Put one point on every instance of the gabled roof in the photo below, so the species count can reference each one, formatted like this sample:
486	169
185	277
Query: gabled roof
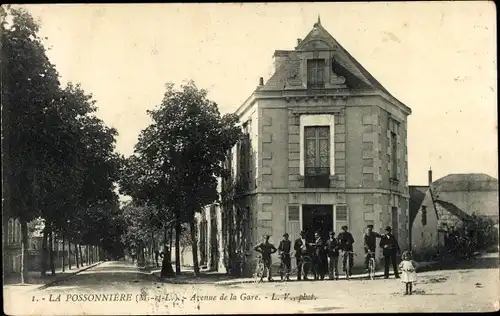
453	209
345	65
417	196
465	182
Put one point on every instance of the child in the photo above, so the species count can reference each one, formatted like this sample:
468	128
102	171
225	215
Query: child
408	273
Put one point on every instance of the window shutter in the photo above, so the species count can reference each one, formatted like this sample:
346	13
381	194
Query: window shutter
293	213
341	217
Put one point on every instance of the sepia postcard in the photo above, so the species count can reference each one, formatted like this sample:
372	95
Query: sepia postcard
249	158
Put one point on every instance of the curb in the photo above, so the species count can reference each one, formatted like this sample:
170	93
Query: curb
51	283
246	280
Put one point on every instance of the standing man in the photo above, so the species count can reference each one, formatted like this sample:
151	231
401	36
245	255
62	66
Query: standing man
370	244
333	256
284	252
345	241
390	248
300	247
318	257
266	249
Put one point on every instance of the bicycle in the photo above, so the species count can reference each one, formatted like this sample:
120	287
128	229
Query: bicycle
258	274
371	265
348	263
283	269
306	262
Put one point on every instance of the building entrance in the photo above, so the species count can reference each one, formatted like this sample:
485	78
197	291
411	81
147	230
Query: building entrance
317	218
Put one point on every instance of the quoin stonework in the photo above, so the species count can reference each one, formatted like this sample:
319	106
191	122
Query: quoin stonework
325	145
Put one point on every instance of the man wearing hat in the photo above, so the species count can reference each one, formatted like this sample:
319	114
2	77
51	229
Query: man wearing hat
266	249
390	248
319	257
345	241
284	252
370	243
332	251
301	250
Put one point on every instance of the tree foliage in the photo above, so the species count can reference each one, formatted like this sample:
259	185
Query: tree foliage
59	159
180	155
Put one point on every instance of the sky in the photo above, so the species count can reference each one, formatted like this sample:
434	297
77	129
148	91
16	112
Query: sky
438	58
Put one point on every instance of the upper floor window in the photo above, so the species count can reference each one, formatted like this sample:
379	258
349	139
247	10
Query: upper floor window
316	73
394	132
317	156
424	215
394	156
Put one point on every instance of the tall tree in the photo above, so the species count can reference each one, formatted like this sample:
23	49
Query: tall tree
189	141
30	90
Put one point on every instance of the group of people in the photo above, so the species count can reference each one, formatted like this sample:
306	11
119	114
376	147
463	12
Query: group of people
323	255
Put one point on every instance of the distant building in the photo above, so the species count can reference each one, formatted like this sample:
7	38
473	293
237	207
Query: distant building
325	145
11	244
449	203
424	235
471	193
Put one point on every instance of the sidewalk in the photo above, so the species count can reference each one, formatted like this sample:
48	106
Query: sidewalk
37	282
220	278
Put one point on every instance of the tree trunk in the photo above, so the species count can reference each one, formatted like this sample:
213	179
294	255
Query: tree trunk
69	254
194	247
178	228
81	254
63	253
171	240
51	253
43	270
87	259
77	257
152	251
24	251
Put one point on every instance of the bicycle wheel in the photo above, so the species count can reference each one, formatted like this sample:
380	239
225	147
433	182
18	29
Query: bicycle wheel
259	272
348	267
371	268
281	271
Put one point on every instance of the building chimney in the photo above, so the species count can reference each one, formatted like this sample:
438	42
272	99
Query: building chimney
261	81
299	40
279	58
430	176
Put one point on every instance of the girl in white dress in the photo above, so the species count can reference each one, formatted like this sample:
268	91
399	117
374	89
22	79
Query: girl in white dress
408	271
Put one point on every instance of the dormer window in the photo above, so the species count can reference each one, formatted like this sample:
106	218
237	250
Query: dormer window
316	73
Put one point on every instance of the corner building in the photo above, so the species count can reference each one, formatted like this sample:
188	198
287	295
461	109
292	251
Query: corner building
325	145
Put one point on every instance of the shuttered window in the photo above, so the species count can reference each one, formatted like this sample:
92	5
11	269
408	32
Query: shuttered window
293	213
341	217
342	213
424	215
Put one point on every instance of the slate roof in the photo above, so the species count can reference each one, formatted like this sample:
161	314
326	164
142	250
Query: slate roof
453	209
357	77
465	182
417	196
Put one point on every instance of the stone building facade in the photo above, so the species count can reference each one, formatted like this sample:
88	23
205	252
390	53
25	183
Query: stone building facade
324	145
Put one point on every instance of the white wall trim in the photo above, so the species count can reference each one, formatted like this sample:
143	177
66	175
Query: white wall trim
335	219
317	120
300	217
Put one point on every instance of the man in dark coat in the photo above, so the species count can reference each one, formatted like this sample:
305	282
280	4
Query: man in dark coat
266	249
345	241
333	256
318	257
370	243
284	252
390	248
301	250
